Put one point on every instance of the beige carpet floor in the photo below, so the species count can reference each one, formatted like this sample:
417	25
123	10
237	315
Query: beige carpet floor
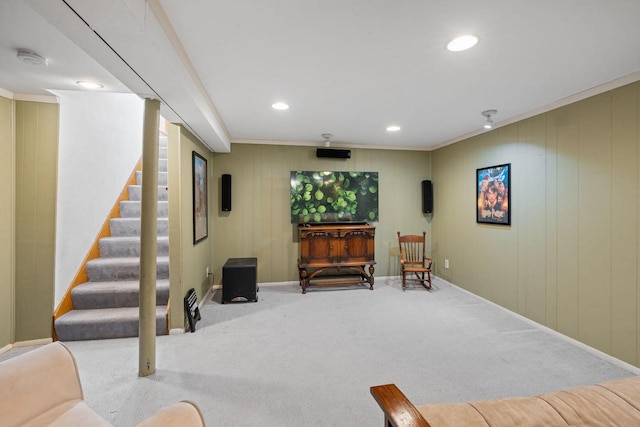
309	360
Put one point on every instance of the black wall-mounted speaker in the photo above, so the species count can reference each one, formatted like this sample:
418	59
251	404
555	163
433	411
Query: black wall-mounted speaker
226	193
333	153
427	197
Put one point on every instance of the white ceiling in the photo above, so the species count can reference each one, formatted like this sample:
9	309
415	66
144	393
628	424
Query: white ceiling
347	67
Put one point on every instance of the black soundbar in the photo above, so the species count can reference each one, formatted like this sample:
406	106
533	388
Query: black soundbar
333	153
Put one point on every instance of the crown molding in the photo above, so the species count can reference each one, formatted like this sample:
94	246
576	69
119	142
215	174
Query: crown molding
45	99
320	144
571	99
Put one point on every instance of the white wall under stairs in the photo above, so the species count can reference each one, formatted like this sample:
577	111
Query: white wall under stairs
100	144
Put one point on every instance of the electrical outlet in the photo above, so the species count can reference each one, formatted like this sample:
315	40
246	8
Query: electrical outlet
446	263
207	271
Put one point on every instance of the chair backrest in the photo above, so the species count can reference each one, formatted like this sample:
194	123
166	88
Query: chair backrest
412	248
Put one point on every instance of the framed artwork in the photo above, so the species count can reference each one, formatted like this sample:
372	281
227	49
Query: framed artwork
200	199
493	191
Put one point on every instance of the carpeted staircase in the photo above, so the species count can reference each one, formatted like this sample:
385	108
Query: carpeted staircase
107	305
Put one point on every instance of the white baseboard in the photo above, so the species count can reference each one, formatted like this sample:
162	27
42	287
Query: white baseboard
31	343
295	282
206	297
602	355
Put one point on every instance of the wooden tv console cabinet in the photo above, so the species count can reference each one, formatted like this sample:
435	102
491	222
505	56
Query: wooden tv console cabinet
336	254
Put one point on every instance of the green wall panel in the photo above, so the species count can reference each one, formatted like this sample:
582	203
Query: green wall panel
624	223
36	186
570	258
188	261
259	223
7	206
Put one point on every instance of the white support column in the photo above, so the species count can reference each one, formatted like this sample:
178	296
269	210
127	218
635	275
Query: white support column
149	239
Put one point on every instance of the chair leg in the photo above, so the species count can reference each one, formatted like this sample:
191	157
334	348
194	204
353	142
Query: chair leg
419	279
426	283
403	280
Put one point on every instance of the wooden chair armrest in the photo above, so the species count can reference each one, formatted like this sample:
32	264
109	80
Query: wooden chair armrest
429	261
398	410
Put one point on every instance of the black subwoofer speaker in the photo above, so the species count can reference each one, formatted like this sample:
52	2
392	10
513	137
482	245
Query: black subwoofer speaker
226	193
239	280
427	197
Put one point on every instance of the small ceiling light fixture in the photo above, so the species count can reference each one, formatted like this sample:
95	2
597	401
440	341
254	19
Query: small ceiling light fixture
462	43
280	106
327	137
30	57
488	124
89	85
393	128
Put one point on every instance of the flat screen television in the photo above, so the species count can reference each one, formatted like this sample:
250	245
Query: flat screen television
330	197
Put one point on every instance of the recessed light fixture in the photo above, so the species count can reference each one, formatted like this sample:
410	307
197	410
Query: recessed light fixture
462	43
30	57
280	106
393	128
89	85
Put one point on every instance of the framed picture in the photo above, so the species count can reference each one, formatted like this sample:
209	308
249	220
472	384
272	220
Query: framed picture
200	198
493	191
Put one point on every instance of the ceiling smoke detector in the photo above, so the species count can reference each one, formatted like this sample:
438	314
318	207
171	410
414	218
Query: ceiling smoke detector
30	57
327	137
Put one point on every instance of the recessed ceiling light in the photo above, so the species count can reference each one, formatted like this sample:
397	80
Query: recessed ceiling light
280	106
462	43
393	128
89	85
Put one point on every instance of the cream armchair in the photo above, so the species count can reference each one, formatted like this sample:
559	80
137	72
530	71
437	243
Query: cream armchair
42	388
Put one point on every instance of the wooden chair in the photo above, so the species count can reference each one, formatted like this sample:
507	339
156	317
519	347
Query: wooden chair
413	259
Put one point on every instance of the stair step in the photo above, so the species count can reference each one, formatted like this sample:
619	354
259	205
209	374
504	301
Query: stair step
131	227
135	192
163	178
107	306
122	268
93	295
128	246
105	323
131	209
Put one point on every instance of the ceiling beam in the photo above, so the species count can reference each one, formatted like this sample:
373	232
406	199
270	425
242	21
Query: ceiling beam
135	42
